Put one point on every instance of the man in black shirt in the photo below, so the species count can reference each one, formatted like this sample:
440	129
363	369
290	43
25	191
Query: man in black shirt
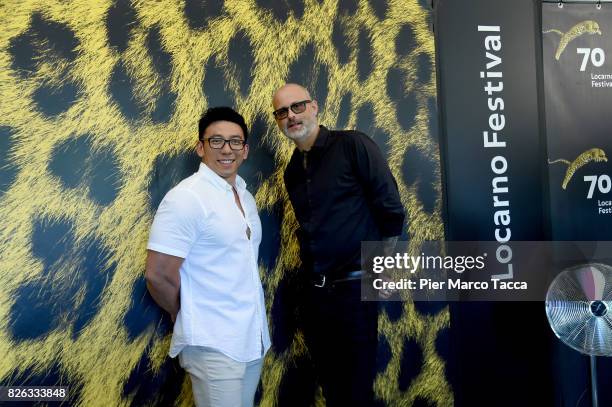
342	193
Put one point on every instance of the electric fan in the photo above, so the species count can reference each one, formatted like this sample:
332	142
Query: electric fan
579	311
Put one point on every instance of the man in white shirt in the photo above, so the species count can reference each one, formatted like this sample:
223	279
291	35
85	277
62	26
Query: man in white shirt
202	268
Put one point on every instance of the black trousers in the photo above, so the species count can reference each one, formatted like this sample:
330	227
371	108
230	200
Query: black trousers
340	331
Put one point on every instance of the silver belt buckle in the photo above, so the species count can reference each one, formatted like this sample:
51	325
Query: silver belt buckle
322	283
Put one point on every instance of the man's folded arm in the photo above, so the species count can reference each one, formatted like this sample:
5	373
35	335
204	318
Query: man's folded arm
164	280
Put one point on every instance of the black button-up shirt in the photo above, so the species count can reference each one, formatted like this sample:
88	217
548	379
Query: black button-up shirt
343	193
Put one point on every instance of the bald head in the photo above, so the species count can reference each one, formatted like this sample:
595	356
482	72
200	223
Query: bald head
292	89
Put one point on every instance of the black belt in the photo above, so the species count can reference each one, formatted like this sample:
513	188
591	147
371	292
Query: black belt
320	280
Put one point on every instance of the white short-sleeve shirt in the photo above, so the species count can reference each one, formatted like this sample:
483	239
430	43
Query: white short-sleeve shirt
222	301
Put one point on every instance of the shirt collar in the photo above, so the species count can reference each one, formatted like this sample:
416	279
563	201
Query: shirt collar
322	137
205	172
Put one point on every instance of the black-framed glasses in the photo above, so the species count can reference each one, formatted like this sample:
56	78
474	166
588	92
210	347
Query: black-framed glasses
297	107
218	143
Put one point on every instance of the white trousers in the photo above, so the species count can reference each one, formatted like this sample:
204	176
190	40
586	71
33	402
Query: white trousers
218	380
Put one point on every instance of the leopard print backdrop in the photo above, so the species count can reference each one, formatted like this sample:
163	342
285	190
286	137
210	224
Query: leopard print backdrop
98	120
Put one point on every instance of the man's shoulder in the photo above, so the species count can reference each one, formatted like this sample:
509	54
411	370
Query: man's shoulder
349	137
191	188
193	183
347	134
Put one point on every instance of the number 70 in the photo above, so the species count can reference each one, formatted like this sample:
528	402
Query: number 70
603	184
598	57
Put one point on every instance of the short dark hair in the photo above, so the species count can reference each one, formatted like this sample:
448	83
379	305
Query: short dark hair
221	113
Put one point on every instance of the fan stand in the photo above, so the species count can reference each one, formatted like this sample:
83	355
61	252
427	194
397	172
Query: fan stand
594	381
598	309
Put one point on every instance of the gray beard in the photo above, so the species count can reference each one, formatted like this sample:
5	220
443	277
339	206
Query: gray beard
298	135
